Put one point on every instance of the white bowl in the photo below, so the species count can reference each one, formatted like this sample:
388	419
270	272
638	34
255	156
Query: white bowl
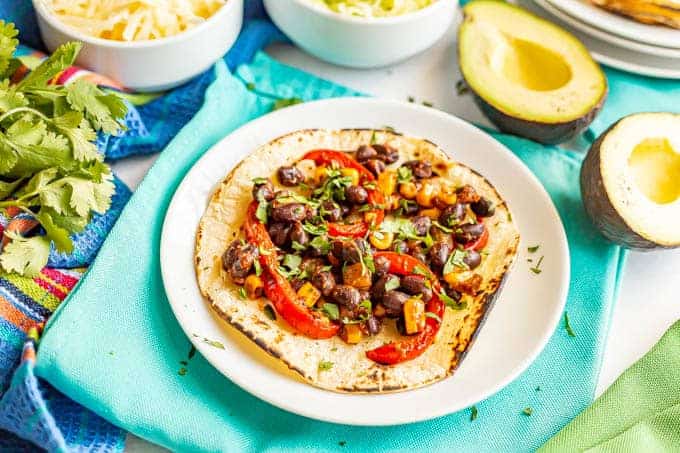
356	41
152	65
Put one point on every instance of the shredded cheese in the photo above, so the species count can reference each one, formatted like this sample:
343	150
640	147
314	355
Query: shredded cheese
374	8
132	20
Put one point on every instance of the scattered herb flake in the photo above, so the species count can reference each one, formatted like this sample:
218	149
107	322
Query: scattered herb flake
538	388
192	351
325	365
411	99
242	293
428	104
419	270
537	269
527	411
462	87
391	284
213	343
342	443
258	267
285	102
250	86
331	311
451	303
567	325
456	260
404	174
533	249
182	371
259	181
372	142
473	413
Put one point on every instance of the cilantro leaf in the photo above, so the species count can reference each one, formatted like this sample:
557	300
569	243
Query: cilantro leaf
325	365
567	325
452	303
456	260
8	44
61	58
286	102
57	234
26	256
331	311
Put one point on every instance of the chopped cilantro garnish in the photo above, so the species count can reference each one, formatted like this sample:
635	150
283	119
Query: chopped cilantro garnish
242	293
182	371
456	260
473	413
258	267
404	174
250	86
428	104
411	99
533	249
391	284
261	212
418	270
366	304
537	269
297	246
451	303
442	227
331	311
314	229
567	325
285	102
321	243
213	343
372	141
260	180
527	411
325	365
429	314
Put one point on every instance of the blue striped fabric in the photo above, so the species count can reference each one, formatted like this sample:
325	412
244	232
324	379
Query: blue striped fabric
31	411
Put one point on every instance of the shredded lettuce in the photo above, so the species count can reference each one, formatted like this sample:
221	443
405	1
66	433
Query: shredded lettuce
374	8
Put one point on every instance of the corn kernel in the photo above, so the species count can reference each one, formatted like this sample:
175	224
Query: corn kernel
351	333
387	182
432	213
408	190
254	286
447	194
309	294
320	174
370	217
414	315
381	240
353	174
425	195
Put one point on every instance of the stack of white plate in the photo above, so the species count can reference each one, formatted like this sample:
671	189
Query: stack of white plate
613	40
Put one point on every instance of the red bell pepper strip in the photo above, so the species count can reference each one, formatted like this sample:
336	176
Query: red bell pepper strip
411	347
375	197
278	289
479	243
326	156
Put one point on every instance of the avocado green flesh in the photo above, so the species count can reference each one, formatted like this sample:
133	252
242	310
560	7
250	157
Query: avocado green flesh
630	181
529	76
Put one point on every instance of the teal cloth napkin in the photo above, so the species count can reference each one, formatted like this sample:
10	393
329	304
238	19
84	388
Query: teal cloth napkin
115	347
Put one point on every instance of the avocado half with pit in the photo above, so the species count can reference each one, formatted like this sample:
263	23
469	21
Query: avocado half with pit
530	77
630	181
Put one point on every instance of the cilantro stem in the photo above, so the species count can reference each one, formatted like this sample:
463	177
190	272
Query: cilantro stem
11	112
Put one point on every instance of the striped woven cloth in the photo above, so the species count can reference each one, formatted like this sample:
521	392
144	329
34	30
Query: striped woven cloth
31	411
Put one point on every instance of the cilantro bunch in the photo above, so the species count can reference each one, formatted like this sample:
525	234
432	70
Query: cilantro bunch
49	165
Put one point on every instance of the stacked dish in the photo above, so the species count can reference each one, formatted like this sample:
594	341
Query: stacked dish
615	40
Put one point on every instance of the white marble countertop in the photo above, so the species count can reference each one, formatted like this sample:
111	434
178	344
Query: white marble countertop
649	300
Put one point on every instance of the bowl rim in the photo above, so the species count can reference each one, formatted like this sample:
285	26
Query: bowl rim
414	15
76	34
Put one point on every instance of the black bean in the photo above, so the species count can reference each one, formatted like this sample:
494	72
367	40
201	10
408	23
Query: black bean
311	212
239	259
452	293
345	295
483	208
298	234
375	166
409	207
324	282
472	258
421	224
378	289
331	211
289	213
386	153
373	325
290	176
469	232
319	249
263	191
297	283
352	251
365	152
439	254
393	302
382	265
356	195
452	215
419	254
344	209
420	168
413	284
279	233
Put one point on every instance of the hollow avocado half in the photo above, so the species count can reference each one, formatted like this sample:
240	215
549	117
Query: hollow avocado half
529	77
630	181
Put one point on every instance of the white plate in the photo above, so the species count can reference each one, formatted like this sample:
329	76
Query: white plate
616	57
517	329
597	17
597	33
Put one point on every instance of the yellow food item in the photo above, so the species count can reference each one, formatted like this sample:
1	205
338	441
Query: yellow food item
447	194
320	174
432	213
374	8
357	275
309	294
132	20
387	182
408	190
414	315
664	12
352	173
426	194
254	286
351	333
381	239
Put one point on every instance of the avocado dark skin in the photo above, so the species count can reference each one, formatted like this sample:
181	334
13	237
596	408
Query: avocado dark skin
600	208
546	133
